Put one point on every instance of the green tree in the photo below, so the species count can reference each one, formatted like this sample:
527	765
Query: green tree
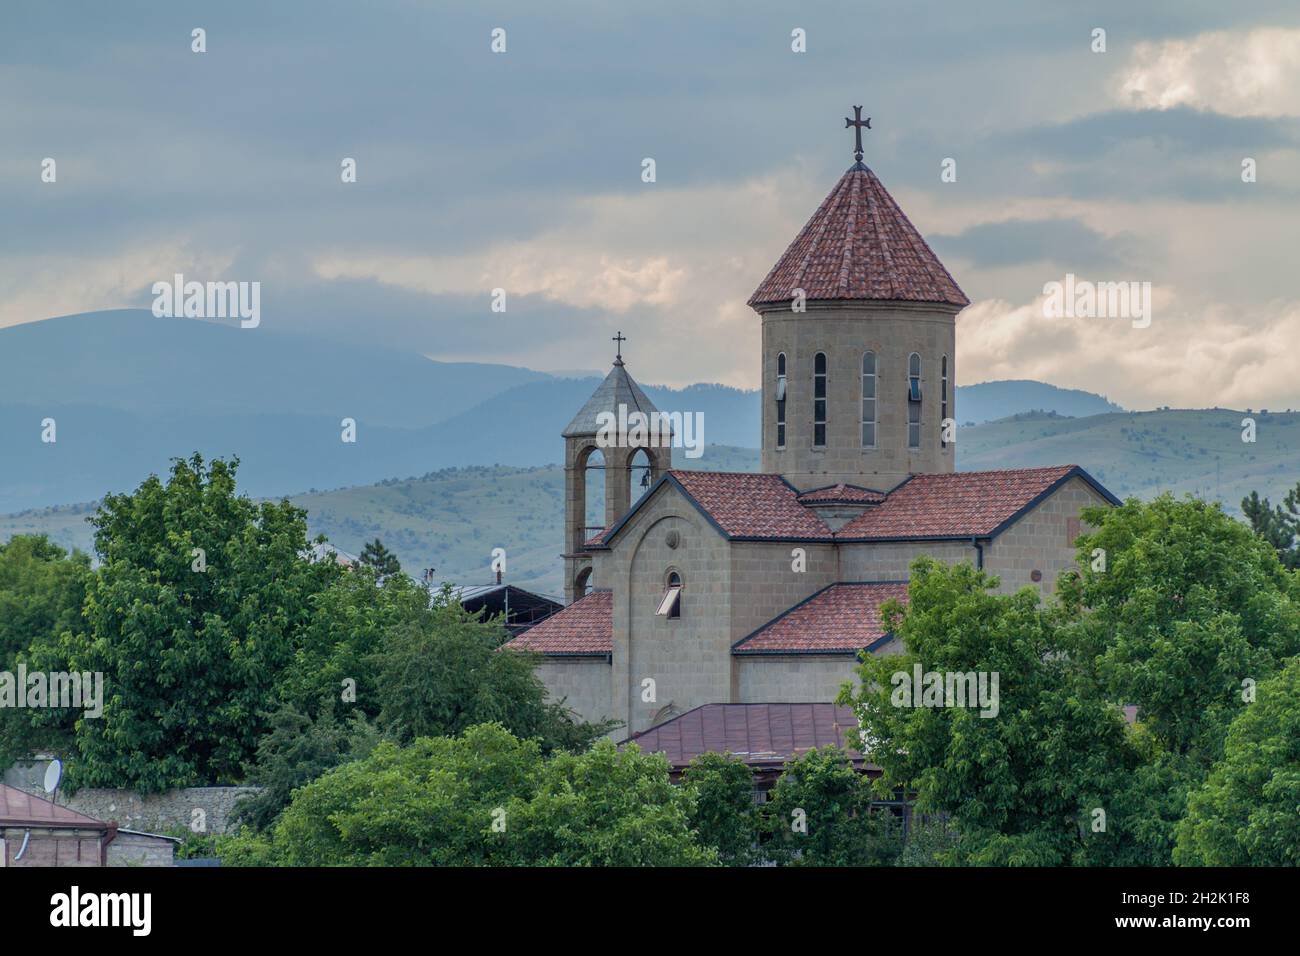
483	798
1278	525
194	613
1019	784
1248	811
42	590
294	752
606	807
1188	604
445	671
721	789
384	562
820	814
334	666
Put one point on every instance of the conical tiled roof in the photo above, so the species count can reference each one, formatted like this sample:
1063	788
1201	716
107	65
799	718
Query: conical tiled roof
617	389
860	245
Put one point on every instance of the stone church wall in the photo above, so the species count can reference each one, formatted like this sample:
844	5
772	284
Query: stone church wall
788	679
687	658
583	683
1040	541
891	561
764	584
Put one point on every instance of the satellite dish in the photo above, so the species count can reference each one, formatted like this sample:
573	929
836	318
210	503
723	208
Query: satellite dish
53	773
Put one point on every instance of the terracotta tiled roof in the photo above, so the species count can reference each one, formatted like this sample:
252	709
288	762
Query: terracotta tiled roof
20	809
848	494
748	505
759	734
842	618
584	628
596	538
961	504
859	245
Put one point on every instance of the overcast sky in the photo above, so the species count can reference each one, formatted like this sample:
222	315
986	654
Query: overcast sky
522	170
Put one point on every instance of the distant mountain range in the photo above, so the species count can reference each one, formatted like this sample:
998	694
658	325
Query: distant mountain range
452	519
129	391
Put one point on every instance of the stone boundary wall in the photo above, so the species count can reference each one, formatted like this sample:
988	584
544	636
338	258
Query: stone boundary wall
151	813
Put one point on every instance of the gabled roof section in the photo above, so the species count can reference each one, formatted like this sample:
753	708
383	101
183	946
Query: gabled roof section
618	388
748	505
583	629
859	245
963	504
842	494
839	619
21	809
759	734
745	506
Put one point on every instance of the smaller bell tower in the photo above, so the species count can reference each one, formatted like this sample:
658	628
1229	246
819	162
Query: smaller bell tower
590	444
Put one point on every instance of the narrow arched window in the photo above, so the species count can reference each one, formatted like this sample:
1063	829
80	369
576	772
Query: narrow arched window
869	400
819	400
780	400
670	605
914	401
943	401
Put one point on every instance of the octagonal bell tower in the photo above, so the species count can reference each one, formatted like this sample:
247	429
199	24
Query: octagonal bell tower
859	345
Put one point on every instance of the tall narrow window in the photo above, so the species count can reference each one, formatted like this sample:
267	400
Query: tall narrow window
670	605
819	400
869	400
943	401
780	400
914	401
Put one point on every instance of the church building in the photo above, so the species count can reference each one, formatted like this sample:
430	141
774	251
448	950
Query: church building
765	587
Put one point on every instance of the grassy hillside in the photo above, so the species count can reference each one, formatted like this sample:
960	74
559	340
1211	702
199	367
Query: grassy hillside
1144	453
452	519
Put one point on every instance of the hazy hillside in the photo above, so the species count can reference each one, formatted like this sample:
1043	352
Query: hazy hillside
452	519
129	392
127	359
989	401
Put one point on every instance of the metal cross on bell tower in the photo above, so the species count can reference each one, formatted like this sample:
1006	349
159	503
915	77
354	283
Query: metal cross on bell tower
618	340
859	125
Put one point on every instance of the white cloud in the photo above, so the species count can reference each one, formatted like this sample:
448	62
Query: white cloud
33	288
1192	356
1255	73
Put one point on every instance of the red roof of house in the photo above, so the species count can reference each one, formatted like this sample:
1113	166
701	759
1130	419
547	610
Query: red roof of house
859	245
749	505
756	733
960	504
841	618
583	629
21	809
847	494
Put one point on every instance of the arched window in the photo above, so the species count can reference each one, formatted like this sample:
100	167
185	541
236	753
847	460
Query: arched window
582	584
780	400
943	401
869	400
914	401
670	605
819	400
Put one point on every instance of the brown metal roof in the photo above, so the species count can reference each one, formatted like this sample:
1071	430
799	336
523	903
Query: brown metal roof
759	734
21	809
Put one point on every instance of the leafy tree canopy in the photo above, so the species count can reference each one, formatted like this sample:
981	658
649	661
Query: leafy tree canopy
1248	811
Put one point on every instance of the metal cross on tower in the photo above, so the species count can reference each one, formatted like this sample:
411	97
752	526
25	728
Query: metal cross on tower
860	124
